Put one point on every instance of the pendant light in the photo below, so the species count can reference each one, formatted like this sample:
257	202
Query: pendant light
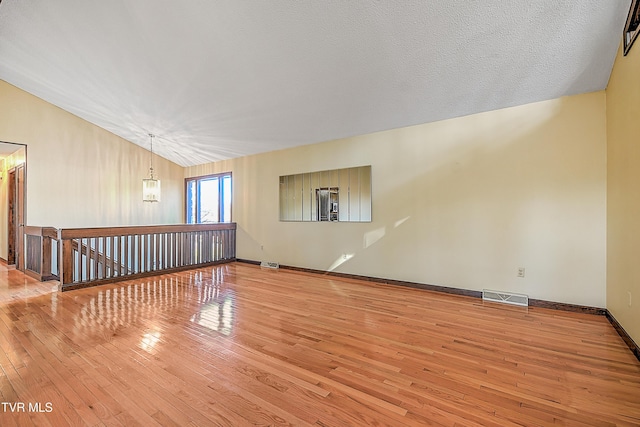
151	186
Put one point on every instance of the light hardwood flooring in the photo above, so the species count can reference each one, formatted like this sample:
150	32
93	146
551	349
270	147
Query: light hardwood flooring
238	345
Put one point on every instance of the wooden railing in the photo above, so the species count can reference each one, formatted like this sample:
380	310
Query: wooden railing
93	256
41	252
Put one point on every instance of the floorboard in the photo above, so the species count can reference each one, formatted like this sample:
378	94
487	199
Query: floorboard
235	345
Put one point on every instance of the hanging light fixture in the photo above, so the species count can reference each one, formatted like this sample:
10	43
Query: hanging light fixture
151	186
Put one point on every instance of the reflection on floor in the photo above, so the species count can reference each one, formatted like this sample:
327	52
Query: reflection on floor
238	345
129	303
14	285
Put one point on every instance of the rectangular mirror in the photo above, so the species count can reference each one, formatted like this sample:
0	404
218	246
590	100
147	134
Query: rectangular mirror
334	195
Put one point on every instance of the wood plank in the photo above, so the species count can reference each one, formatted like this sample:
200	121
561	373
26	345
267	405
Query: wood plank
238	345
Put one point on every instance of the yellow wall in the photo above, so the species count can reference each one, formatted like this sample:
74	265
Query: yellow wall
461	202
623	192
80	175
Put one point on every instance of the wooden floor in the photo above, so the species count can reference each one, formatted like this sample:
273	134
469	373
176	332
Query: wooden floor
236	345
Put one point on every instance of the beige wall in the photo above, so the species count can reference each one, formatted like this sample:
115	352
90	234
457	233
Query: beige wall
623	192
79	175
461	203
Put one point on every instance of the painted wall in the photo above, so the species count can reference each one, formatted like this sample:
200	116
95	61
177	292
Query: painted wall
80	175
461	203
623	193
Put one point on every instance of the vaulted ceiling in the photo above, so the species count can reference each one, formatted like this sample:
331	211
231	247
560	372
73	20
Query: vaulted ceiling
222	79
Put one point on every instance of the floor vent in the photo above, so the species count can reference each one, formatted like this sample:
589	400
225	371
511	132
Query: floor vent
505	297
268	264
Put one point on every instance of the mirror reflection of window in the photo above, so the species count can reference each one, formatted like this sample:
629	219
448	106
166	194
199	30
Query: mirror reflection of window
334	195
327	204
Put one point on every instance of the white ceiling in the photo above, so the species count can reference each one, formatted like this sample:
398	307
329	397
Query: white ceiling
222	79
7	149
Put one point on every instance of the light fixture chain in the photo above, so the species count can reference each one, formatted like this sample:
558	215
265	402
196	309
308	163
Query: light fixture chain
151	164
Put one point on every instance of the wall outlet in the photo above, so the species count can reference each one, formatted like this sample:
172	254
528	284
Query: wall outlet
520	271
262	247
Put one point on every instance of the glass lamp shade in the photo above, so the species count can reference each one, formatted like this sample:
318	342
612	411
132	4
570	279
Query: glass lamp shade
151	190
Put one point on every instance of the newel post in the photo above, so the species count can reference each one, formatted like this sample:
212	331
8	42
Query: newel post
66	259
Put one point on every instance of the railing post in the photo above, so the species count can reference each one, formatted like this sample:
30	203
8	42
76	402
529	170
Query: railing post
65	246
38	261
233	242
46	256
48	234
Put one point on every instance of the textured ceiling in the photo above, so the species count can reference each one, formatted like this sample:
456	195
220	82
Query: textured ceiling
222	79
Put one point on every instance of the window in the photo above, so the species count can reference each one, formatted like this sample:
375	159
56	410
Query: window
208	198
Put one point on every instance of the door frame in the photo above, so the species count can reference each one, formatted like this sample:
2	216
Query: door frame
16	209
11	218
15	217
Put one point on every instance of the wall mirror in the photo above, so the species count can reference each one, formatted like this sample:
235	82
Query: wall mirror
342	195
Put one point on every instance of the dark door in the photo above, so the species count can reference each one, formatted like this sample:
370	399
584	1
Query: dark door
15	253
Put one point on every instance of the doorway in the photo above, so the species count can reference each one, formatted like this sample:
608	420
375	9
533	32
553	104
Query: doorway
16	217
13	161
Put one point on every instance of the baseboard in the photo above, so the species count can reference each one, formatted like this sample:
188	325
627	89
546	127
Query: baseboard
567	307
3	261
635	349
248	261
475	294
456	291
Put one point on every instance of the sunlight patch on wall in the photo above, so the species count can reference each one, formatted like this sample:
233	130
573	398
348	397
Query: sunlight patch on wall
373	236
399	222
341	260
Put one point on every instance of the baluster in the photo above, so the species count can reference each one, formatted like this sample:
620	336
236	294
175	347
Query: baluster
87	260
111	243
140	244
158	261
125	258
104	255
